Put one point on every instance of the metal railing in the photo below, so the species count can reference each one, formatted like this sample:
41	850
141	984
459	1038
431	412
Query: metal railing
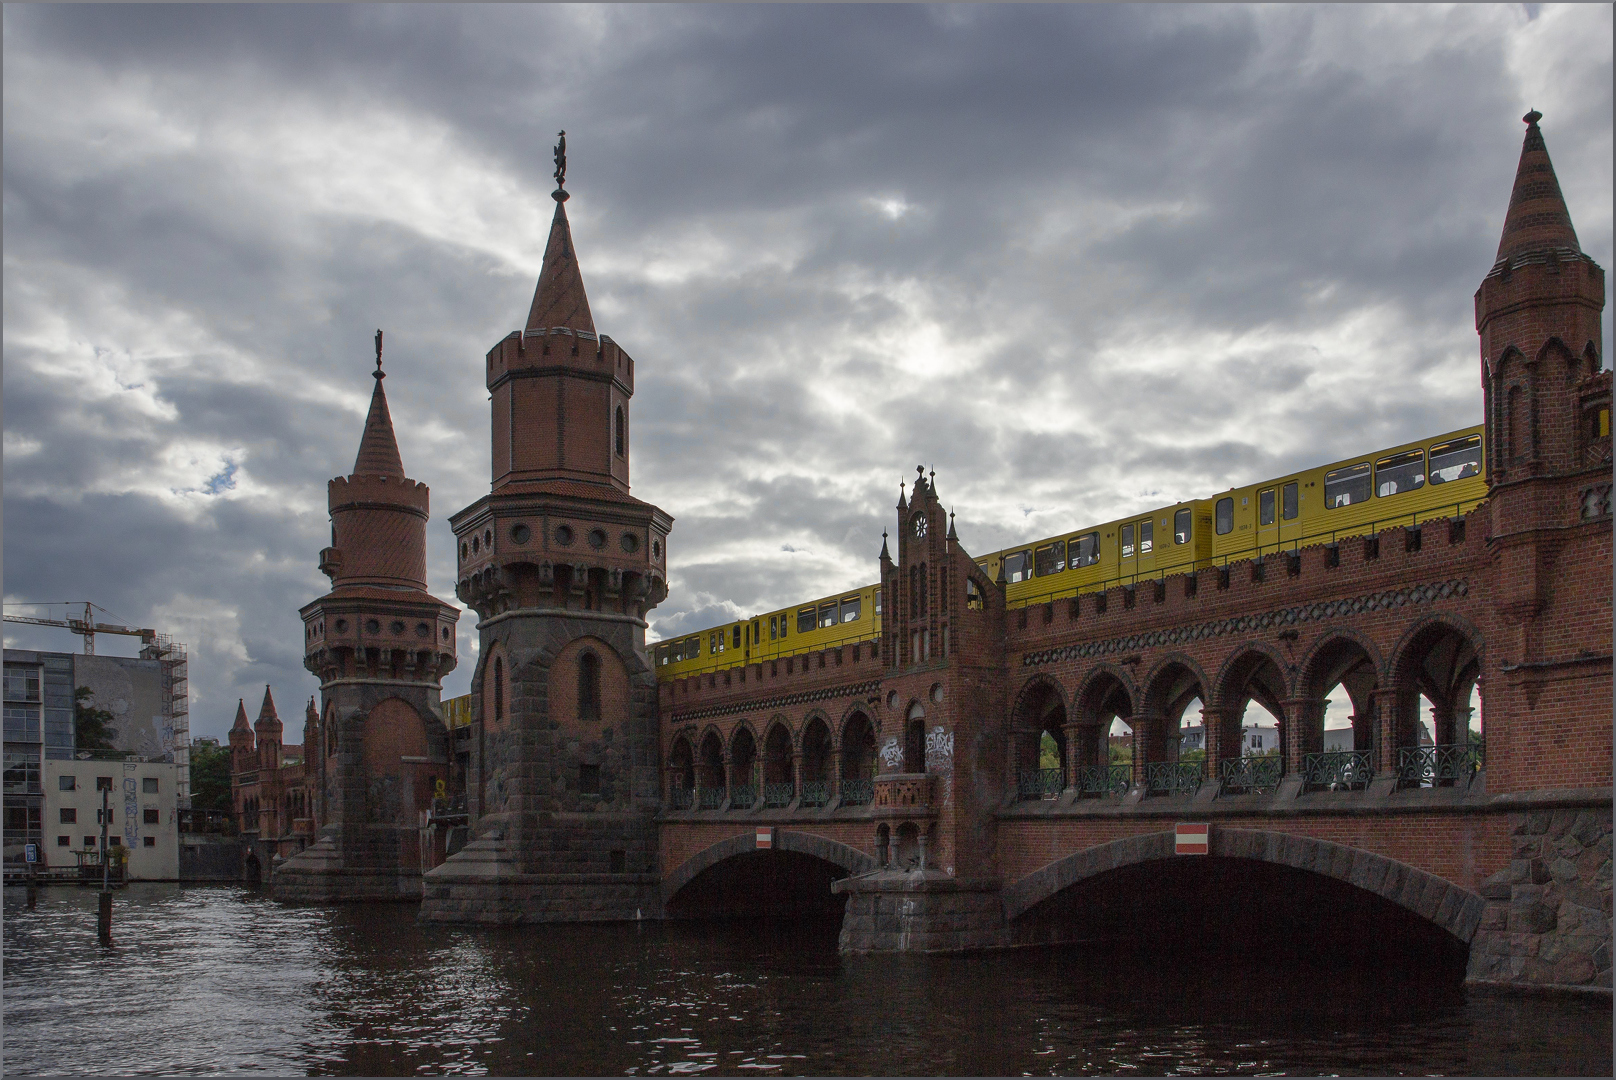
1250	775
680	798
451	806
1039	783
778	795
1329	536
1438	766
858	792
815	792
1172	777
1339	770
710	798
1102	781
742	797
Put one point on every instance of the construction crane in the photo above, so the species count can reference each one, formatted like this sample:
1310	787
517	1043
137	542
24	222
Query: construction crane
153	646
87	626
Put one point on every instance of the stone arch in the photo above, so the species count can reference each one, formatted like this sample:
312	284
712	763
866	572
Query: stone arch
1039	712
1172	684
712	768
565	695
857	763
1437	900
1254	671
832	728
871	713
682	766
1345	658
496	685
1106	691
744	756
818	759
779	761
1439	656
850	859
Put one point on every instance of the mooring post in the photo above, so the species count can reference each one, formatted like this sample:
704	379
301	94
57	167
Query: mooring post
104	917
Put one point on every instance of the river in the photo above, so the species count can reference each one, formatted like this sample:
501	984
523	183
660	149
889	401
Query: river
220	979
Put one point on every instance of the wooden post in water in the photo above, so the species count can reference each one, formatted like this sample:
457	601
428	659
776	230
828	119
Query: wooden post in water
104	918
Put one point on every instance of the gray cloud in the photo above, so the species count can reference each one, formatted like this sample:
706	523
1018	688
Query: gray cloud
1082	260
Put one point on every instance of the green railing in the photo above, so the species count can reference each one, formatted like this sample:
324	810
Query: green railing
1438	766
1184	566
710	798
815	792
1251	775
742	797
777	795
1172	777
1340	770
858	792
1102	781
1039	783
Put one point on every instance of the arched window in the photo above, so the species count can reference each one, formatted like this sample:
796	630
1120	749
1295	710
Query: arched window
620	438
589	687
499	689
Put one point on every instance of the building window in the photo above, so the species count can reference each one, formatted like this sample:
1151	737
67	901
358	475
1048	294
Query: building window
153	817
104	816
499	689
148	841
69	816
589	779
115	841
620	437
67	783
589	687
64	841
103	783
89	841
148	785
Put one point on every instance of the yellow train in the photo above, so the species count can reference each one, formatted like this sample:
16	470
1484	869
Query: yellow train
1427	479
838	619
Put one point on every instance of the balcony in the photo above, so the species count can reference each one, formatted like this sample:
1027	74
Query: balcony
902	791
1039	784
858	792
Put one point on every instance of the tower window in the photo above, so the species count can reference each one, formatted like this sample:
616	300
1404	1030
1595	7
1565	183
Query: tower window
620	440
499	689
589	687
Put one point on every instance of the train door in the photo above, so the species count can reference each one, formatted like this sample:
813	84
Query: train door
1290	512
1147	545
1268	519
1127	551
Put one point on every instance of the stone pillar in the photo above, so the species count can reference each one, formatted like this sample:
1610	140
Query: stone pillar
1387	725
1212	725
1303	729
1074	759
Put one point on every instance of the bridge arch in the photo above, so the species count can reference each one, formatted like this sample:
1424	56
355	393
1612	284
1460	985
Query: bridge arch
1438	901
1438	657
849	859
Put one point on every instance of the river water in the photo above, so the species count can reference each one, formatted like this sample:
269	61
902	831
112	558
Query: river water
219	979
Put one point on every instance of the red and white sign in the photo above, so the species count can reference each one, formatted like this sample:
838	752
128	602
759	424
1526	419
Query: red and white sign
1190	838
765	837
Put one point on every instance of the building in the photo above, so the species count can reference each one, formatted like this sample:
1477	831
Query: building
887	770
144	809
269	790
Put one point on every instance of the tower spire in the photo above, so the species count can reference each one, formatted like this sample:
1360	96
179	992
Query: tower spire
559	300
378	448
1538	221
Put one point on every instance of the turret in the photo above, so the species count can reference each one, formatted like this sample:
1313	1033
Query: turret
242	751
268	729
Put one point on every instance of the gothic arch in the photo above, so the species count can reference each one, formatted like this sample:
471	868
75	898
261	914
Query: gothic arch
1092	692
848	858
1242	663
1159	695
1030	691
1439	656
809	717
1309	670
1454	909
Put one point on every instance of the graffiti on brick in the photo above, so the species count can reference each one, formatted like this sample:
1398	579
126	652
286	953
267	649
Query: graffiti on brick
891	754
1329	609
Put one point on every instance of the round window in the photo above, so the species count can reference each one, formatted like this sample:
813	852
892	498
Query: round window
597	538
521	534
342	626
656	548
372	626
465	549
488	539
630	542
423	630
476	545
892	700
918	523
564	535
937	692
445	633
397	627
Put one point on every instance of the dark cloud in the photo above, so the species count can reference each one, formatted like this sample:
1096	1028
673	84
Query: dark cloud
1080	259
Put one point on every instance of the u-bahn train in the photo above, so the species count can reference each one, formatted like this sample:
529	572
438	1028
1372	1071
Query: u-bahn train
1437	477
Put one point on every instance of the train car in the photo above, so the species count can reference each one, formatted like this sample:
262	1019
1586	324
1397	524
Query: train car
1431	478
837	619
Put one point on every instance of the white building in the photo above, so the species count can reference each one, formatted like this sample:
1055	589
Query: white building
1254	739
143	804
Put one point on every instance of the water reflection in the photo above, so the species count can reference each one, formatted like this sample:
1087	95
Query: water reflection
218	979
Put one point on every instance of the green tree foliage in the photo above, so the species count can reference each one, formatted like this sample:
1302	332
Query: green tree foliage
210	777
92	727
1121	755
1048	752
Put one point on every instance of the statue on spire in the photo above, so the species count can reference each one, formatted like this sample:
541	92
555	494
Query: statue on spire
560	195
378	373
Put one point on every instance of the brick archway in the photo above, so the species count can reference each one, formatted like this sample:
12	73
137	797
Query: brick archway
848	858
1454	909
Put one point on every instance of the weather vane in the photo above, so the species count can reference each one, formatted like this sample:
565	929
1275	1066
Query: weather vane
559	194
379	373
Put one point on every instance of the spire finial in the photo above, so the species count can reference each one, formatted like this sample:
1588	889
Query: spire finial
560	194
379	373
1532	118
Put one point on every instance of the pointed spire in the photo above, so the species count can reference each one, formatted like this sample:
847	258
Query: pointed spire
559	300
378	449
1537	220
903	503
886	556
952	535
267	710
241	717
310	714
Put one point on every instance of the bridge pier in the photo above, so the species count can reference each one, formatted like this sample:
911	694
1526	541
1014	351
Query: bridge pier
920	911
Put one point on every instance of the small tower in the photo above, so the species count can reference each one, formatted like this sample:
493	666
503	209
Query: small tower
380	645
243	755
1548	461
561	564
268	731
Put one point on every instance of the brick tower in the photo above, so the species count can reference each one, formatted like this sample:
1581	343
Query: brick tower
1548	454
380	644
561	564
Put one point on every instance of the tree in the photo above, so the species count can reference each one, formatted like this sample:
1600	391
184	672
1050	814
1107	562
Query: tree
92	727
210	776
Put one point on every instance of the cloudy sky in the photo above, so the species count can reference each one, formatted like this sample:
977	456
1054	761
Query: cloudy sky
1081	260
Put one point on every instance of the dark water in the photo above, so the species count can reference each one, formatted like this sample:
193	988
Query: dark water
206	980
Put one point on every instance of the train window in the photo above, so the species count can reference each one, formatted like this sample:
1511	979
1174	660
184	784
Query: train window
1456	459
878	601
1181	526
1344	487
973	595
1049	559
1400	472
783	622
1265	507
735	636
1127	541
827	614
1223	517
1288	497
692	647
1017	567
1147	533
1085	550
662	654
805	620
851	608
774	627
715	643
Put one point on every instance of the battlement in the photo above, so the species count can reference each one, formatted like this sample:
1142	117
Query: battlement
820	669
563	347
378	492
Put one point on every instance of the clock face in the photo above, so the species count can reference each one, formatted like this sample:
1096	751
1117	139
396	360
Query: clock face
918	522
